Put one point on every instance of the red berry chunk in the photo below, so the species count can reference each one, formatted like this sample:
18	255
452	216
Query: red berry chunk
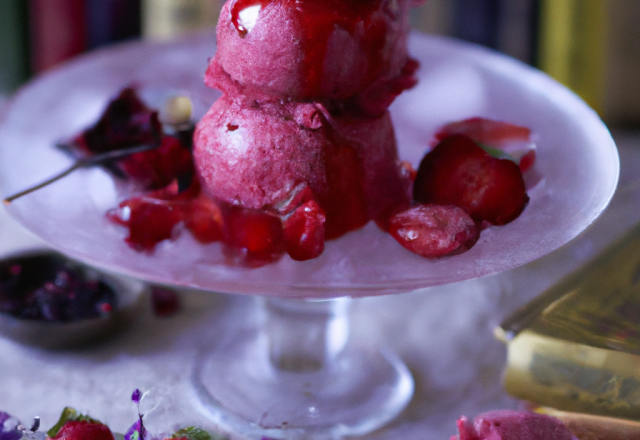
204	219
304	232
150	220
257	232
83	430
434	231
458	172
153	218
485	131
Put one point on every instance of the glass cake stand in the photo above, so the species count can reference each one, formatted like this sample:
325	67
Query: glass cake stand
300	374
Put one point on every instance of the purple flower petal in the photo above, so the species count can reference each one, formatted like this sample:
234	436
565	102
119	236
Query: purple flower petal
137	431
8	427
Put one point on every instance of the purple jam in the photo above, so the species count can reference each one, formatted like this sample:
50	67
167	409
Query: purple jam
49	287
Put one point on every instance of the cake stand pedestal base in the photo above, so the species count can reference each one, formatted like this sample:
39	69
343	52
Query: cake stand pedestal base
300	376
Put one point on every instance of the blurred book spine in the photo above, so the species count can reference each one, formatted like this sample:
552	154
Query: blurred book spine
593	47
572	46
166	19
510	26
58	31
518	29
109	21
477	21
14	45
577	346
621	104
433	17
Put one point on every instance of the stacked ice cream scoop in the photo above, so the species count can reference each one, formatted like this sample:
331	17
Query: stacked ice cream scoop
306	86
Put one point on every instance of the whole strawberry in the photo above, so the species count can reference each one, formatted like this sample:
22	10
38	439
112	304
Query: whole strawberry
84	430
459	172
75	426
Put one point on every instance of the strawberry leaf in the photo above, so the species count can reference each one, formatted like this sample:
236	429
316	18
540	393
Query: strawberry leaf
496	152
193	433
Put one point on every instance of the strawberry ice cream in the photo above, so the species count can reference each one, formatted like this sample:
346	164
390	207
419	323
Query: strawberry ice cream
256	156
306	85
311	50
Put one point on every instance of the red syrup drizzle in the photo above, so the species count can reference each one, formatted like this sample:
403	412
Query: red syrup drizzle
345	203
318	20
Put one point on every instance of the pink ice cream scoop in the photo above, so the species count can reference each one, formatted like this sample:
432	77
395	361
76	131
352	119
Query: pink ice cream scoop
257	154
306	86
314	50
512	425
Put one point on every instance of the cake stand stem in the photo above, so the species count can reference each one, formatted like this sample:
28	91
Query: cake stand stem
306	336
301	376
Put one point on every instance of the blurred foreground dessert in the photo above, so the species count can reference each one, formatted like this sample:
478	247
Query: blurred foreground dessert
554	425
577	346
512	425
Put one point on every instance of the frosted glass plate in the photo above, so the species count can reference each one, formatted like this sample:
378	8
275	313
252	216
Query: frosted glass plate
574	178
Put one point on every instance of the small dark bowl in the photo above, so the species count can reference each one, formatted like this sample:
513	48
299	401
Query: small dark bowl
52	334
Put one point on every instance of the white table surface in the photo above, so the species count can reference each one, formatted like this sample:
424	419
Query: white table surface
444	334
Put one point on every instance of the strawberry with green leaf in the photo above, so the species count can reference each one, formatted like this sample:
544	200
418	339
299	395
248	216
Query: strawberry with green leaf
75	426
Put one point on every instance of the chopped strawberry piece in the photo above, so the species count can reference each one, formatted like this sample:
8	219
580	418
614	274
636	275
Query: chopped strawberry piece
304	232
485	131
83	430
153	217
150	221
257	232
434	231
203	218
458	172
